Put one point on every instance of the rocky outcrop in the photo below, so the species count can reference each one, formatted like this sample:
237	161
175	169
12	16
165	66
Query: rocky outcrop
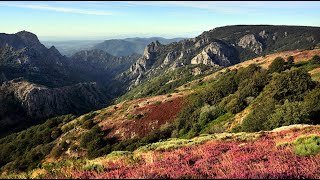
196	71
148	58
8	55
201	42
310	39
263	34
171	56
249	41
42	102
215	54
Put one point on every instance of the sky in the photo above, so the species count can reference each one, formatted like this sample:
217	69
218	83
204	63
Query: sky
96	20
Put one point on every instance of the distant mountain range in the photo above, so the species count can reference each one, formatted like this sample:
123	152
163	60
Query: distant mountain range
128	46
68	48
115	47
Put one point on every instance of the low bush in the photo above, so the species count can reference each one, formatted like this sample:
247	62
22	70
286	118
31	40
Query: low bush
94	167
306	146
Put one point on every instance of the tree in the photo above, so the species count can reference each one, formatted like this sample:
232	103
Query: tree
287	114
312	100
291	85
278	65
255	120
315	59
290	61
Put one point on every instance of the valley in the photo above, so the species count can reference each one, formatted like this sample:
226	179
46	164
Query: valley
204	107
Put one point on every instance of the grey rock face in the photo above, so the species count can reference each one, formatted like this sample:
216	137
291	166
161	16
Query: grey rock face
249	41
43	102
196	71
201	42
214	54
171	56
146	61
263	34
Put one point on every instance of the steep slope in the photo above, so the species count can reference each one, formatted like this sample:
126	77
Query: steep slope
70	85
129	46
22	54
223	46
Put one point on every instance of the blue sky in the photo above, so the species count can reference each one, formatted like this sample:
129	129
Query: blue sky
93	20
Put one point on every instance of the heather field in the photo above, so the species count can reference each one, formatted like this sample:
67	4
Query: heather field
287	152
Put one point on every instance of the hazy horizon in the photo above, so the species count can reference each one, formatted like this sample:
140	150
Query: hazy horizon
96	20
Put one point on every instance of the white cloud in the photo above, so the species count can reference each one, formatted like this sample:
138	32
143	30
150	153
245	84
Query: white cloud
231	6
59	9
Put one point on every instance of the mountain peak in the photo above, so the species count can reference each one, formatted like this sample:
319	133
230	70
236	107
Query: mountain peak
28	37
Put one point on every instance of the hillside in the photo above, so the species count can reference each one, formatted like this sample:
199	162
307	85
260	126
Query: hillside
93	60
219	106
223	46
37	83
223	155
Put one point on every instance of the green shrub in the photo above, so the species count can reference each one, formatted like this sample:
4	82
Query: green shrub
217	125
157	103
27	148
277	65
88	124
139	116
312	100
306	146
94	167
57	151
290	61
287	114
315	59
255	120
93	140
291	85
130	116
56	132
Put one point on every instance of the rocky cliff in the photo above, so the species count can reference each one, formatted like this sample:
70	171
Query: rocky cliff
250	41
42	102
222	46
216	54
